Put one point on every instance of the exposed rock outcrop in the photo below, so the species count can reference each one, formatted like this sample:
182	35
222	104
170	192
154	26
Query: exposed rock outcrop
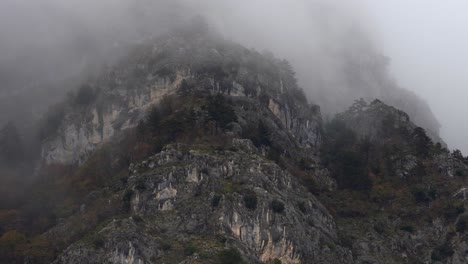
178	63
206	196
239	168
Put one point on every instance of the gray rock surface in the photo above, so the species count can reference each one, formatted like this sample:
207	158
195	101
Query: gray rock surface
270	200
175	193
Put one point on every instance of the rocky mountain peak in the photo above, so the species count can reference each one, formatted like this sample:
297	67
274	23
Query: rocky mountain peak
175	64
194	149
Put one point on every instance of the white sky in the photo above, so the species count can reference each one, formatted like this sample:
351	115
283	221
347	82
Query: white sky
427	41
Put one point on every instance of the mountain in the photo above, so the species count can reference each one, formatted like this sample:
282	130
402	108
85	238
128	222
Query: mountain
194	149
353	67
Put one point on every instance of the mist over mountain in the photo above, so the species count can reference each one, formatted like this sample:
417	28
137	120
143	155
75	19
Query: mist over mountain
217	132
51	46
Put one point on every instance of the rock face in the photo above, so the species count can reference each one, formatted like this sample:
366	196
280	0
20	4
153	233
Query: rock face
238	168
185	194
208	196
85	127
178	63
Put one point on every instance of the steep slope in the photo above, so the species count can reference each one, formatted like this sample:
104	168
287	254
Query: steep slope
191	149
191	58
194	149
395	200
188	206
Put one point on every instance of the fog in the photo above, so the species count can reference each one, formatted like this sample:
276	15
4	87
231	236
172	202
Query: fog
341	50
428	43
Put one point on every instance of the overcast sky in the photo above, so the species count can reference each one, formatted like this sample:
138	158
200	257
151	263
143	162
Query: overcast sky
427	41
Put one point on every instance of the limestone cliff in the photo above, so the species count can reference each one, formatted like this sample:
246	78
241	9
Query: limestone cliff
194	149
169	65
207	197
233	196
